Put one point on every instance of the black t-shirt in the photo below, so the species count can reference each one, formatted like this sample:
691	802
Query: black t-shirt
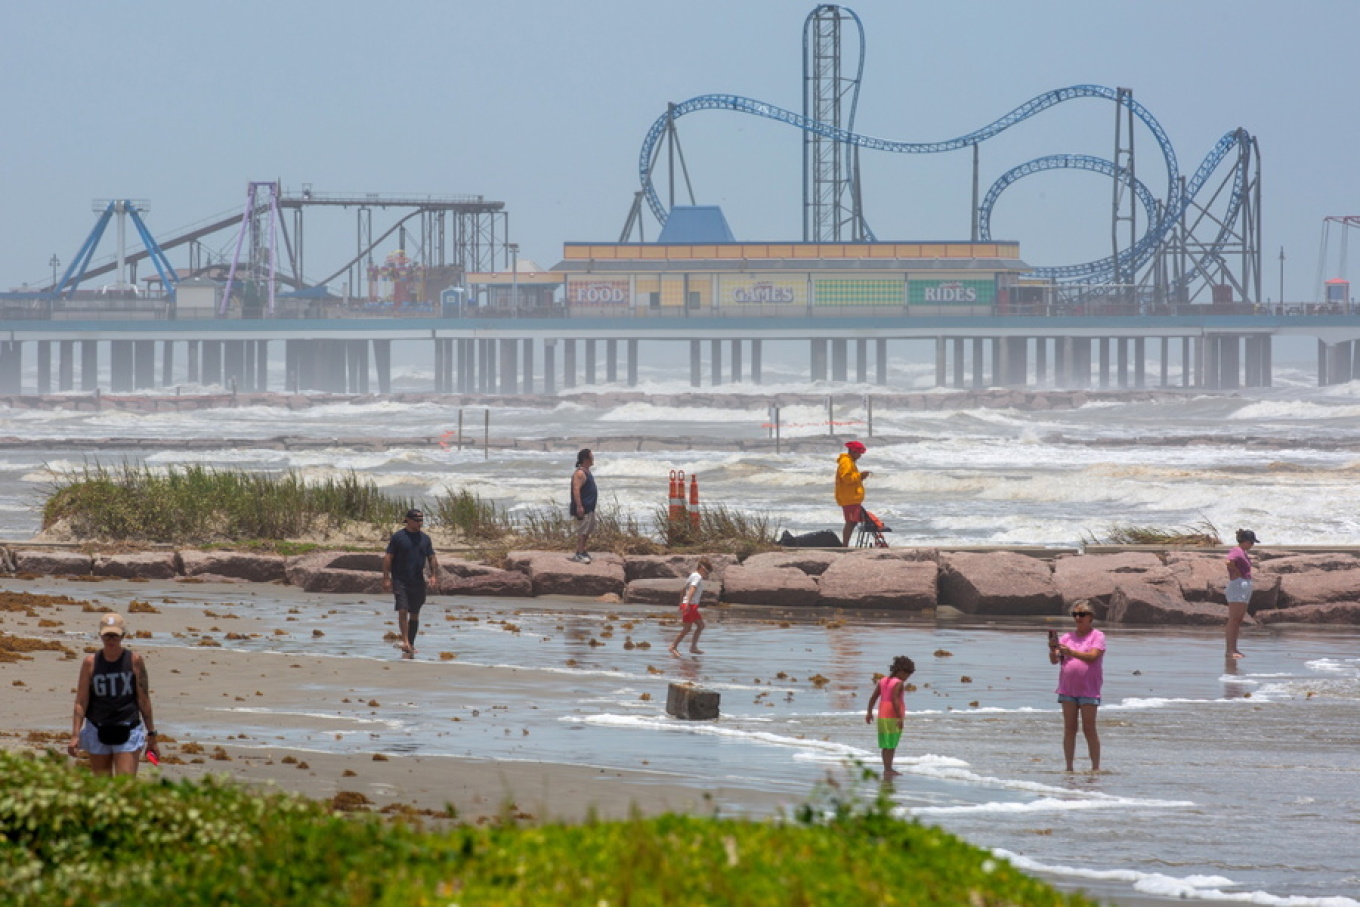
409	550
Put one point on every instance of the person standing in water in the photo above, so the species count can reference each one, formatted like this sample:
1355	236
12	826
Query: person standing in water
890	697
1081	653
690	600
850	488
112	720
409	553
1239	589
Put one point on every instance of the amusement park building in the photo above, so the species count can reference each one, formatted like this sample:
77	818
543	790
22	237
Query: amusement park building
791	278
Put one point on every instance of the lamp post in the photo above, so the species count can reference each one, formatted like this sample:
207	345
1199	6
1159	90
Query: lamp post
55	262
1282	280
514	278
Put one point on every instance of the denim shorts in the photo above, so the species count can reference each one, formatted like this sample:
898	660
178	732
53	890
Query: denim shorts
1079	700
89	741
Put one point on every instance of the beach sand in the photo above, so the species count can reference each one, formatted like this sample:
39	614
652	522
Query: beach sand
199	687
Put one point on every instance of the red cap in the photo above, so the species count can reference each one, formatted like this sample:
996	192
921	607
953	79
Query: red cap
855	447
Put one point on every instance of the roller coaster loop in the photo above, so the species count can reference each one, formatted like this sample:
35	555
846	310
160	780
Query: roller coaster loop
1163	215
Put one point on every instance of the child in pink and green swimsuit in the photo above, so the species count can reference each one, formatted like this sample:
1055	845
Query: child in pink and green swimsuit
892	709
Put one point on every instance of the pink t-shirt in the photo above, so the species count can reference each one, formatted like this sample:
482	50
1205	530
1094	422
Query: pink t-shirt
1077	677
1239	559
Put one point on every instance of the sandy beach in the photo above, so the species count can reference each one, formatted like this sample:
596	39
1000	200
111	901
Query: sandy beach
191	684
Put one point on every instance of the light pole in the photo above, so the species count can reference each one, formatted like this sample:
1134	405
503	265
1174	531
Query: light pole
1282	309
55	262
514	278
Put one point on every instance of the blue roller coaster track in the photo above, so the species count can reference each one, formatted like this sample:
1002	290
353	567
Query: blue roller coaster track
1163	215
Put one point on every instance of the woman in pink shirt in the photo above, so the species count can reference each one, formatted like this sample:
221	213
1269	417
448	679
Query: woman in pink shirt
1081	654
1238	592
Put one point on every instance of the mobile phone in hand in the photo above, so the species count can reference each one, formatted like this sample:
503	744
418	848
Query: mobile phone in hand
1053	638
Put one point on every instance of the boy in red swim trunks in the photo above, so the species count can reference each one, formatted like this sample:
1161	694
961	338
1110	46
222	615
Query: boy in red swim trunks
689	607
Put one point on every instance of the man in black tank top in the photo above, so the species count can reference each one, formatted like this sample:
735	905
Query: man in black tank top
112	720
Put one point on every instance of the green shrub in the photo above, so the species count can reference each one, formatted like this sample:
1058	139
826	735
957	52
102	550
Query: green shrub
69	837
197	504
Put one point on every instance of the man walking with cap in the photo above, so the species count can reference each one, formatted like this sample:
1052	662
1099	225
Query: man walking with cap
404	567
850	488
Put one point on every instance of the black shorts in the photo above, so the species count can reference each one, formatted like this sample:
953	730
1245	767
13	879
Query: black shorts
409	598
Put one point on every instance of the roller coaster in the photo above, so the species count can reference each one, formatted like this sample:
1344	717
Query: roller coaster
1201	235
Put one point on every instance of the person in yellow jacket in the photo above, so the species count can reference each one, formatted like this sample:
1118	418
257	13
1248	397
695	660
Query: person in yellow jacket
850	488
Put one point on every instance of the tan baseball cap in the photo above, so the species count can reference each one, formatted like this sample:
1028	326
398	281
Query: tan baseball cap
112	623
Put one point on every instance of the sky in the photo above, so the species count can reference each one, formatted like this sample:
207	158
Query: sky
543	104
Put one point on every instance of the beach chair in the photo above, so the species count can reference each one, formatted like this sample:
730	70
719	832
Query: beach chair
869	532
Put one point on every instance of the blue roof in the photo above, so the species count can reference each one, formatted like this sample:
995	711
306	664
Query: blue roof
696	224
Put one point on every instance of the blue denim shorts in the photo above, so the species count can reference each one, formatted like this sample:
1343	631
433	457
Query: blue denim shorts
1079	700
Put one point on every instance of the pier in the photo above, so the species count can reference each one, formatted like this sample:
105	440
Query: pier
547	354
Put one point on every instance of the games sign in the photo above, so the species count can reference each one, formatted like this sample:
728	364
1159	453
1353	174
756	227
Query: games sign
761	291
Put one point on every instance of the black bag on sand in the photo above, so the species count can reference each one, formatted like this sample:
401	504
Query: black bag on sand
822	538
114	734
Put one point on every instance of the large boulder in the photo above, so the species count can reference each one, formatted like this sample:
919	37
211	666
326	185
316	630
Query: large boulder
1137	602
1093	577
1302	589
142	565
999	582
867	581
45	562
489	582
347	572
1322	562
555	573
780	586
667	566
239	565
1201	576
1347	612
813	563
667	591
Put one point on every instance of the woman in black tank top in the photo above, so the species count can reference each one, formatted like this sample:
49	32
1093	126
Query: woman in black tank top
112	717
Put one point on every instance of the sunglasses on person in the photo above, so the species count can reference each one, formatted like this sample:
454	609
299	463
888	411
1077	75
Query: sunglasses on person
1082	614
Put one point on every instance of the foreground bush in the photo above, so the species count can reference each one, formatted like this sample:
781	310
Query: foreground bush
67	837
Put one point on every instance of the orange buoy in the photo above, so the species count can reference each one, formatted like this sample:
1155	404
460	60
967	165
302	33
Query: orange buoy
694	503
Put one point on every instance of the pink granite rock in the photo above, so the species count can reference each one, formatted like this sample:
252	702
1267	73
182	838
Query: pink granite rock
868	580
813	563
1093	577
1302	589
142	565
666	592
1000	582
241	565
555	573
45	562
1137	602
781	586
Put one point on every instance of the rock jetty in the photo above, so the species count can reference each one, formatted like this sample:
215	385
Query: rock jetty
1142	586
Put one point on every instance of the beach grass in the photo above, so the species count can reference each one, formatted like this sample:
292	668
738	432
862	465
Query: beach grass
284	512
67	836
1203	534
199	505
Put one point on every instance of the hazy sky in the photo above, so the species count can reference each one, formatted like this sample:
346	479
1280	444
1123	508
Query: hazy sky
543	104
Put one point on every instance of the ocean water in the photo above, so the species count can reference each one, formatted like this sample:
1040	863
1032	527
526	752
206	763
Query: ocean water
1283	460
1222	783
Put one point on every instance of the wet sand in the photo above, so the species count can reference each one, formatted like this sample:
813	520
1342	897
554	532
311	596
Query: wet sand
201	687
